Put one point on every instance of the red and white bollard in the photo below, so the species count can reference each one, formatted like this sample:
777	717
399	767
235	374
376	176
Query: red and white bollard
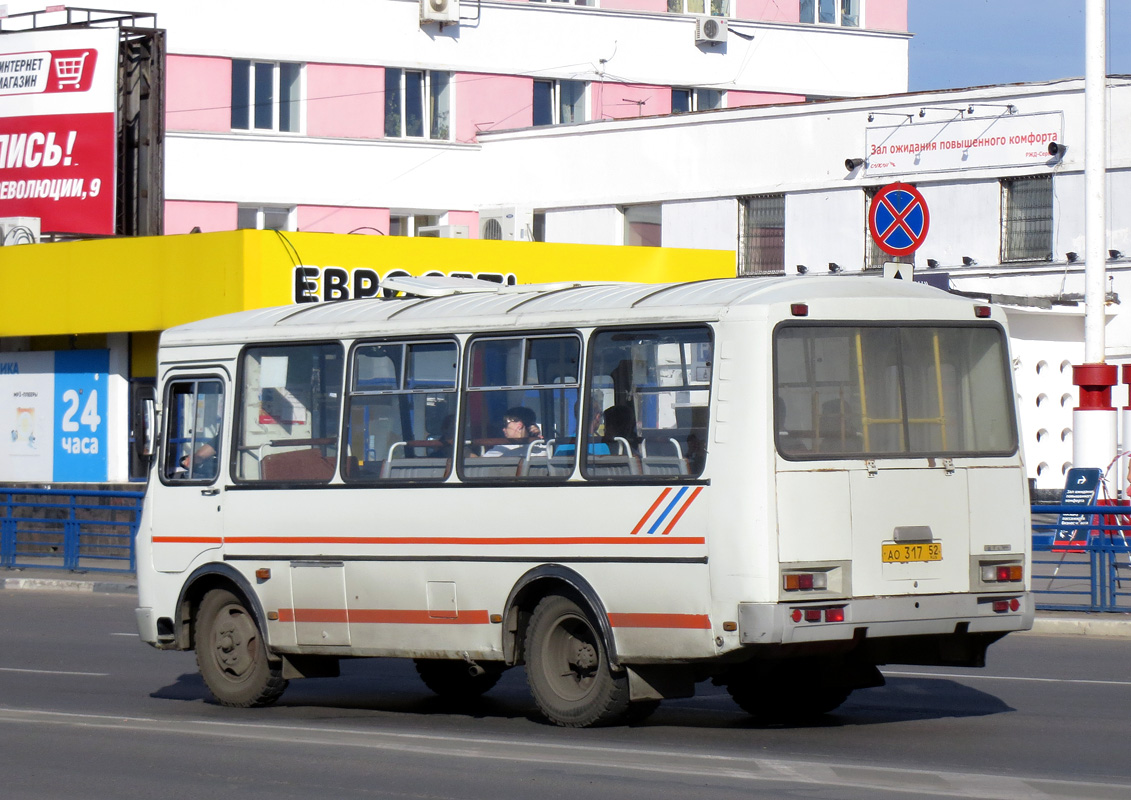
1094	419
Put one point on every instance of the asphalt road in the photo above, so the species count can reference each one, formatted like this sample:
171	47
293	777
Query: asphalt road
87	711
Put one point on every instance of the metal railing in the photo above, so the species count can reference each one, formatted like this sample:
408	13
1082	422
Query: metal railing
1092	573
73	529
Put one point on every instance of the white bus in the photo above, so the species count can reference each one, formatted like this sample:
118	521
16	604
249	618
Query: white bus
774	483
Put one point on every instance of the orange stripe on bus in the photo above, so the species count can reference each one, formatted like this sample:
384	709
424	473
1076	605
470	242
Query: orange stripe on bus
690	621
393	616
683	508
187	540
648	513
542	540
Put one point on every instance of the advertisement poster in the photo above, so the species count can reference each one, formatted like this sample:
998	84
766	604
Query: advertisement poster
57	128
53	416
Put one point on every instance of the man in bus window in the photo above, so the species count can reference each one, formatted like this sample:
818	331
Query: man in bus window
519	428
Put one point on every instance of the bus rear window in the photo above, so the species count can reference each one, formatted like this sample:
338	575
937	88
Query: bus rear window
883	390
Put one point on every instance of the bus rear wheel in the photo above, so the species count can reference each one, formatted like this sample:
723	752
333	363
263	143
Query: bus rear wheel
458	680
567	667
231	653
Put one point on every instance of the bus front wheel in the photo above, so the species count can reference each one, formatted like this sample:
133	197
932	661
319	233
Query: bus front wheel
232	655
567	667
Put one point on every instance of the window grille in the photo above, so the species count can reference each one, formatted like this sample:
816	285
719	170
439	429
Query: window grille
1026	218
761	246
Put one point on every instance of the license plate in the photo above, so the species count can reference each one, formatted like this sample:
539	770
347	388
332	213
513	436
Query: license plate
917	551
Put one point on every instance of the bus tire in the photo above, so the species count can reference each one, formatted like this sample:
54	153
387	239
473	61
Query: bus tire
231	653
454	680
567	667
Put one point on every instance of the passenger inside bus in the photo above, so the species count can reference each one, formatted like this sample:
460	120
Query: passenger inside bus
520	429
620	424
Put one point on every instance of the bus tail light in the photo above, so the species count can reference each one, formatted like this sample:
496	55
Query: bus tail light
1002	573
805	581
1002	606
982	312
818	614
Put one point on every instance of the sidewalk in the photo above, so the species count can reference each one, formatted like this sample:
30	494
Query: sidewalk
1047	623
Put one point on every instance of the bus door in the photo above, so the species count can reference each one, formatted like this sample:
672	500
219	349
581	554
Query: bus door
188	520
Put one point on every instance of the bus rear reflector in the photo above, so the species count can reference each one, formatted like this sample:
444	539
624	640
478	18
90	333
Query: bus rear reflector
834	614
982	312
799	309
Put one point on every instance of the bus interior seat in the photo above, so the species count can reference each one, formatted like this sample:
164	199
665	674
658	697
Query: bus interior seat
670	463
307	464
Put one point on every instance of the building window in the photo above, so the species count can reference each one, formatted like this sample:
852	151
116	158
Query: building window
559	102
265	218
846	13
642	226
874	258
761	245
684	100
410	224
266	95
418	104
716	8
1026	218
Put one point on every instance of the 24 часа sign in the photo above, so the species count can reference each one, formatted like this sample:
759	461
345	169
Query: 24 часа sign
53	416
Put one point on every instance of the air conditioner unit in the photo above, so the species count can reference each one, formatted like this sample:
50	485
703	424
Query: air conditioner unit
443	231
508	224
711	30
439	11
19	230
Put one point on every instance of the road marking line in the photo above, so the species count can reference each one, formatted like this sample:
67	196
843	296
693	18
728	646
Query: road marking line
722	768
977	677
56	672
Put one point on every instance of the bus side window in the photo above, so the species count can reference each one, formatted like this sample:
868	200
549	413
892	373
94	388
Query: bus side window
290	404
401	412
652	387
521	408
194	416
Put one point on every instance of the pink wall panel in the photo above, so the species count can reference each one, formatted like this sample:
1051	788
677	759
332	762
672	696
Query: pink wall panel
656	6
736	99
628	100
767	10
198	93
345	101
492	102
468	218
337	219
181	216
886	15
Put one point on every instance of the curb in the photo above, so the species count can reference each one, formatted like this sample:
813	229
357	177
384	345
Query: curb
1116	628
62	585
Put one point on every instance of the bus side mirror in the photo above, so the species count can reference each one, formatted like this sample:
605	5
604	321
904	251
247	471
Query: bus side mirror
146	441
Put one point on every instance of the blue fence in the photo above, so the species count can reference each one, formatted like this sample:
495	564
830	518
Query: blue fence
1093	574
89	530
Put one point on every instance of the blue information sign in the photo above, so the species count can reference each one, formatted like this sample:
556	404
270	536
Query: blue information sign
81	378
1080	489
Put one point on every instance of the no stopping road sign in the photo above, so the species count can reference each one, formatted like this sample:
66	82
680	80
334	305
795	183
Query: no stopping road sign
898	219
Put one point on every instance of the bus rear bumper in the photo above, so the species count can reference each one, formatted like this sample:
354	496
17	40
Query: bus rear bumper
884	617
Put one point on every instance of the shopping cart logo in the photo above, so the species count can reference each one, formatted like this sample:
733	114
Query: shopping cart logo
666	511
68	71
47	71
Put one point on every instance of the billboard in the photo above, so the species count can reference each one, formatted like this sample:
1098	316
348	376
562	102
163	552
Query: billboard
53	414
58	128
963	143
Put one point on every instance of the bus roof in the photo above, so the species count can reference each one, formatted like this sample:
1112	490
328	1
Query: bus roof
580	303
